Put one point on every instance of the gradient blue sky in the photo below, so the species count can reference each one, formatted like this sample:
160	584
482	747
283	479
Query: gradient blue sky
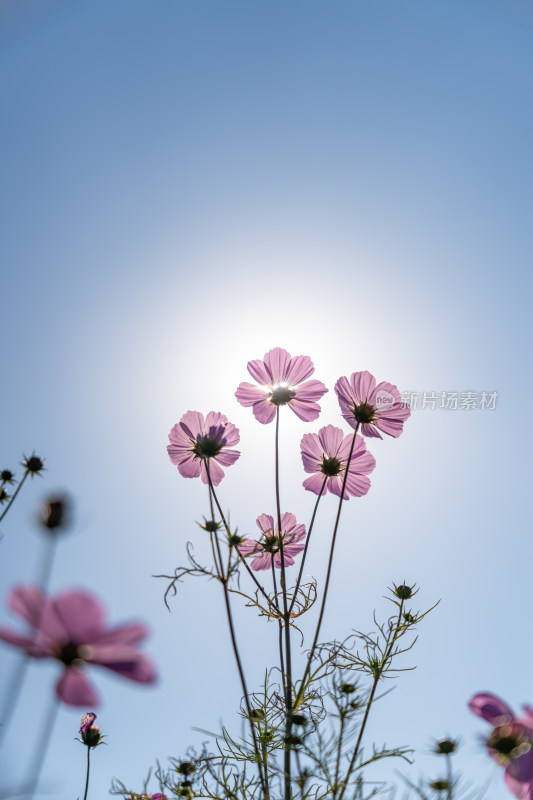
185	185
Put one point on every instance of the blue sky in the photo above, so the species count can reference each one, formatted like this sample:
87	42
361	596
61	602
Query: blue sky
187	185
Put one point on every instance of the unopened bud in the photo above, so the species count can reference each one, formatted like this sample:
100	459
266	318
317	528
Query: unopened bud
347	688
6	476
185	768
298	719
403	592
3	496
56	512
439	786
33	464
445	747
257	714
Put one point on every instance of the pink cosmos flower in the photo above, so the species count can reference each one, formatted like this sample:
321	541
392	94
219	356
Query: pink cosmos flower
280	383
71	628
511	742
371	406
195	441
266	550
325	454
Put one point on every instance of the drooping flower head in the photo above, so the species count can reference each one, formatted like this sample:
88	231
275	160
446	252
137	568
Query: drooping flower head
325	454
194	441
511	742
71	629
266	549
282	381
371	406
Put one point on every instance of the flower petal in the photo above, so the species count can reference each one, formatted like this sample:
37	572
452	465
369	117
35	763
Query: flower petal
490	708
82	615
247	394
258	371
27	601
190	467
277	363
262	562
314	483
74	689
331	439
300	368
227	457
265	523
215	471
264	411
306	411
192	423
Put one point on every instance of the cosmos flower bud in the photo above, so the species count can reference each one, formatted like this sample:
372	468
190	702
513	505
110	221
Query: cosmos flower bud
33	464
347	688
6	476
445	747
409	619
403	592
90	734
298	719
56	512
439	785
257	714
210	525
185	768
235	540
3	496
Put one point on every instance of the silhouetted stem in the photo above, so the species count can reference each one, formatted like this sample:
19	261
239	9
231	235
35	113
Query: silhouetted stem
88	771
13	496
377	676
328	574
308	539
224	582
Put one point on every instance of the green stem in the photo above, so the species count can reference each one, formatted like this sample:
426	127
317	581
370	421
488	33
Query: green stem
286	617
224	582
328	574
308	539
377	676
88	770
13	496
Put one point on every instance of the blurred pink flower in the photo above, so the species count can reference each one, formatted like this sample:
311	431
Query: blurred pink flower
280	383
325	454
371	406
193	441
266	549
71	628
511	742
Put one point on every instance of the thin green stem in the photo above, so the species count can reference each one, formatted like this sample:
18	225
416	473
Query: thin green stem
449	778
328	574
375	682
88	771
308	539
224	582
339	753
213	496
286	617
13	496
